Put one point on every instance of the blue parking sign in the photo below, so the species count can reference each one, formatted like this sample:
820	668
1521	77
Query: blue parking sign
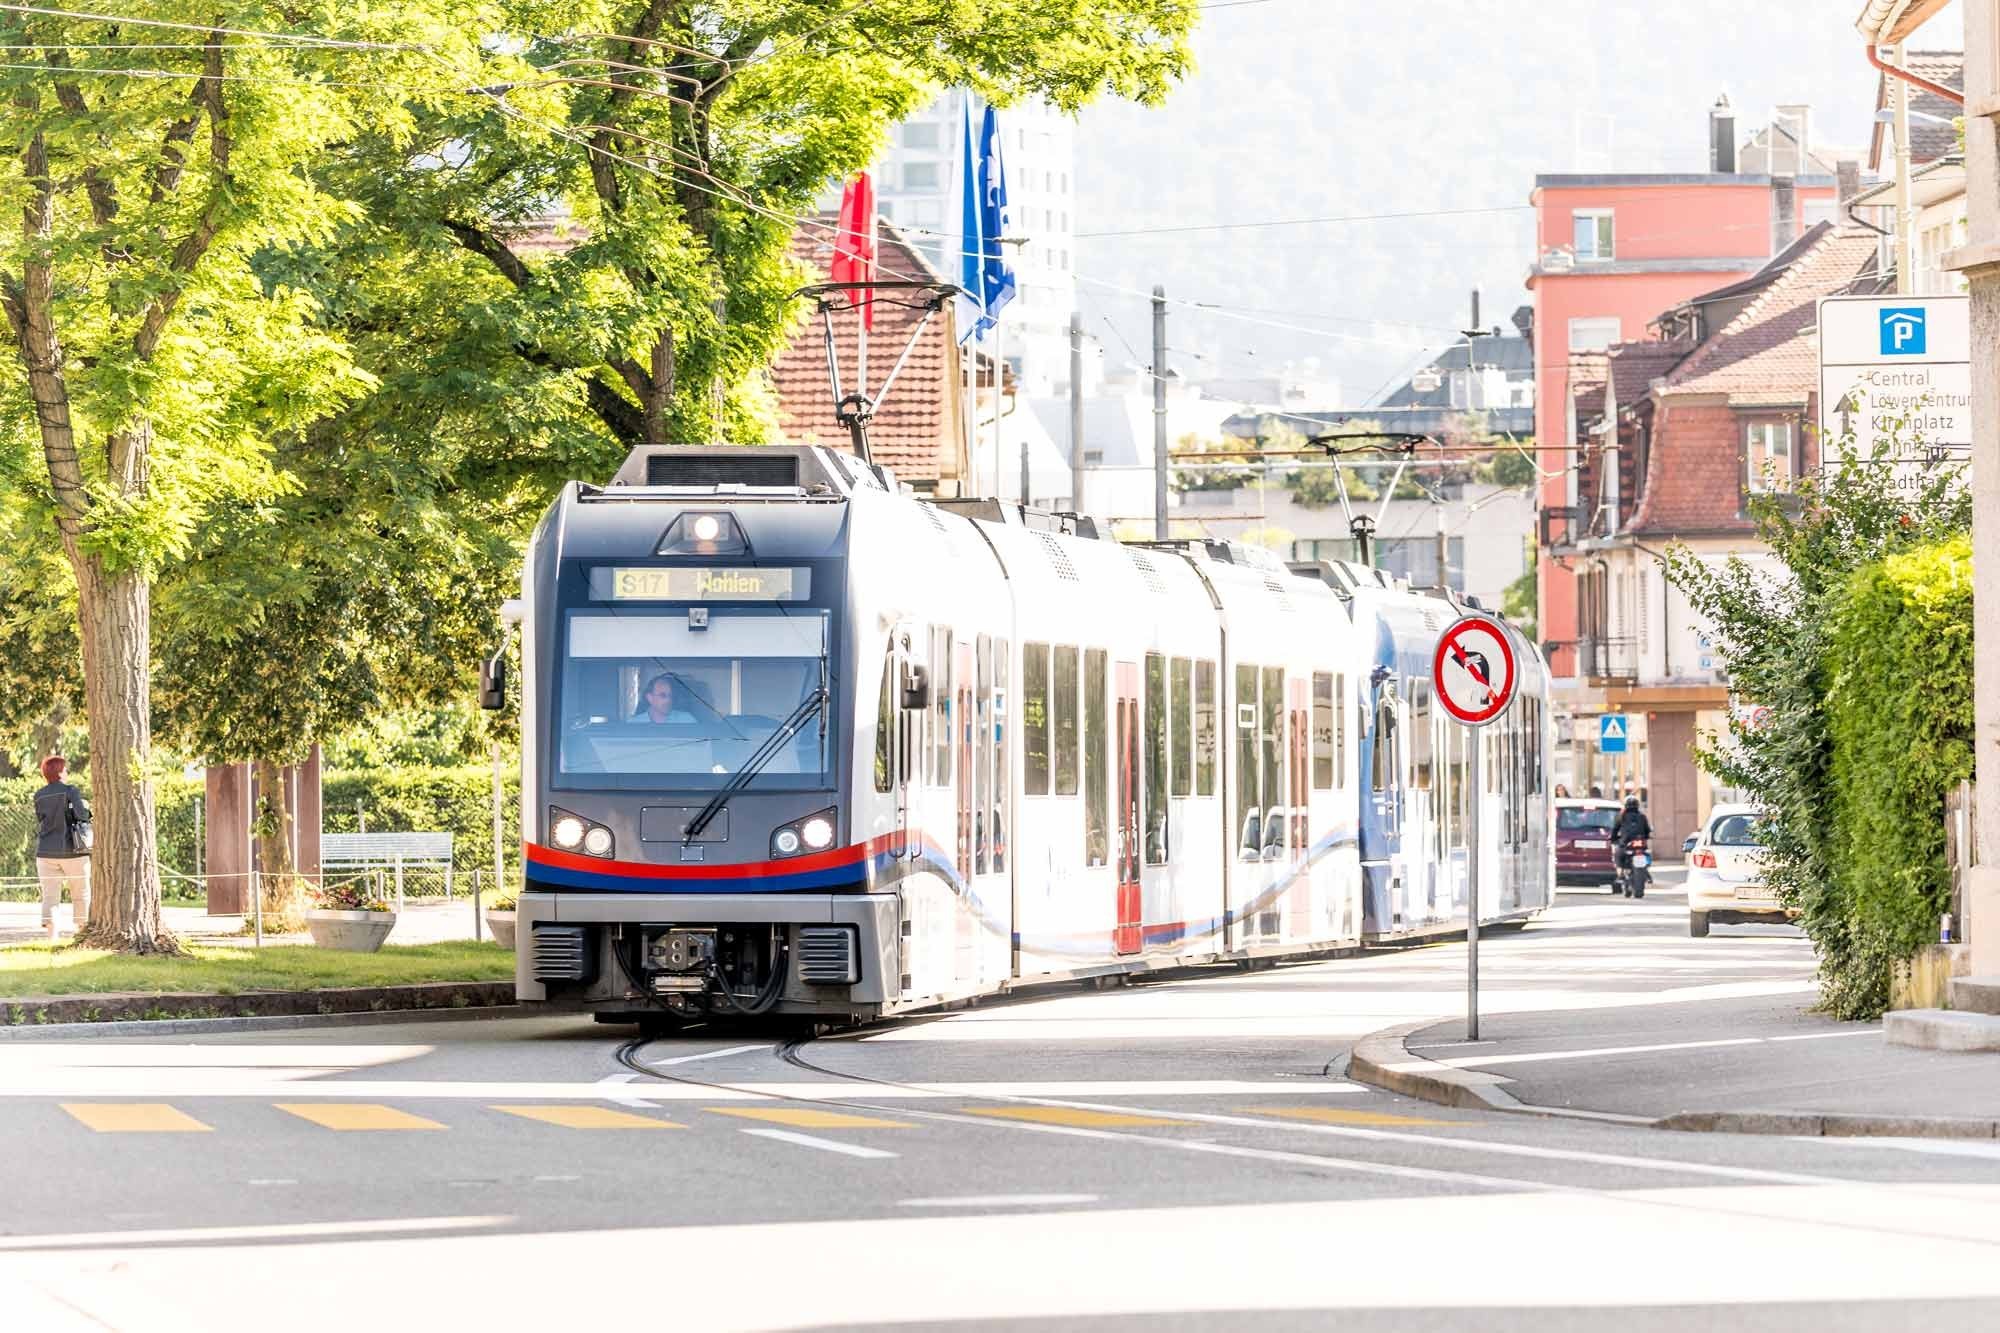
1903	332
1611	730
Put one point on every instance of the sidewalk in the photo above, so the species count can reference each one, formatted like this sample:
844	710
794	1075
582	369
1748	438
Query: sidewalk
419	923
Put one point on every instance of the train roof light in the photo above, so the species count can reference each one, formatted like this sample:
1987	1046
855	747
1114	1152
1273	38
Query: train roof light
704	533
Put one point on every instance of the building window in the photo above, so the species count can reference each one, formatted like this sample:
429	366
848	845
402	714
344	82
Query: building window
1593	334
921	212
1591	229
920	134
1767	457
920	175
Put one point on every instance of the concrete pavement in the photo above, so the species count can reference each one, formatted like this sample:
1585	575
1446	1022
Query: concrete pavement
1694	1055
1174	1153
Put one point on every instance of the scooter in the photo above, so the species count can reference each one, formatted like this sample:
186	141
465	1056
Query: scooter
1636	871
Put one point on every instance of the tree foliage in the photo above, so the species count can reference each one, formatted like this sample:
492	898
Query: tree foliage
1778	639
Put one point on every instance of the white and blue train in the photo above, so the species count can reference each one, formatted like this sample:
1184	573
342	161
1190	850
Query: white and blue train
797	741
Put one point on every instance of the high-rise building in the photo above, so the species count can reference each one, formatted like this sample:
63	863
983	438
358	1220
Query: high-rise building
917	186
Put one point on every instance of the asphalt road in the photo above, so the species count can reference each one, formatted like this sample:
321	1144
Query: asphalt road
1178	1154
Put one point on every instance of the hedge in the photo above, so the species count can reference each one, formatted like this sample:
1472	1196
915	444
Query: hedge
1899	719
458	801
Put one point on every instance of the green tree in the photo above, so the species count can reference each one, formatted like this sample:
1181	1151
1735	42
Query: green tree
1776	637
151	161
1522	598
671	145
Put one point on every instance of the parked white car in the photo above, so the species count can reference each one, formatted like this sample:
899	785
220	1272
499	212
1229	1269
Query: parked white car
1725	872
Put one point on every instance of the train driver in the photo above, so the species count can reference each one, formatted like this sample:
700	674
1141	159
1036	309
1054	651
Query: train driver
657	703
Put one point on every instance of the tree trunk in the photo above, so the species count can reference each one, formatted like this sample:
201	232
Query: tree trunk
284	893
117	681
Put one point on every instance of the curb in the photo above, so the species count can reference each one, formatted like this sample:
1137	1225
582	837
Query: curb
1384	1060
152	1011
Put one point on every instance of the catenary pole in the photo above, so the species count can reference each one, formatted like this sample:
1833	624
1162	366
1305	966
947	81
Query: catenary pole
1159	414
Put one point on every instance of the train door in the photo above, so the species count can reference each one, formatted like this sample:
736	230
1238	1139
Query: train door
961	715
905	722
1125	936
962	720
1298	894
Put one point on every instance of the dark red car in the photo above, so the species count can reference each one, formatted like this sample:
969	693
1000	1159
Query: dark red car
1584	854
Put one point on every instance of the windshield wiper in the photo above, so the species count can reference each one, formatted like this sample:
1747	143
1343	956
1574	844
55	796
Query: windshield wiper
754	765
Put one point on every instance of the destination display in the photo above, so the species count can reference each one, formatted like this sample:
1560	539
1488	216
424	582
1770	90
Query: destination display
697	584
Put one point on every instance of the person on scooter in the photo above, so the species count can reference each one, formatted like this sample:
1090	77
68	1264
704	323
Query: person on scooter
1632	826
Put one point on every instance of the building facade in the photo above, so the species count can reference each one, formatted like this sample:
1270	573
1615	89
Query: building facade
918	186
1679	438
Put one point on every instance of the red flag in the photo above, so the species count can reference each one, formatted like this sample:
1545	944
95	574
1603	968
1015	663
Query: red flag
854	246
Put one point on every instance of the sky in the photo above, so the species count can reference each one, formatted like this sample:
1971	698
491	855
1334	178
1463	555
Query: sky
1333	108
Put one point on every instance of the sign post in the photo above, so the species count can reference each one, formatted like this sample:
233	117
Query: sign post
1473	673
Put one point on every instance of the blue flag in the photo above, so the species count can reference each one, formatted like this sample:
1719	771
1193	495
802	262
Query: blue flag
984	270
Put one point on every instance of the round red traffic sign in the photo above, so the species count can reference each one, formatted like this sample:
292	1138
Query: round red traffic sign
1473	671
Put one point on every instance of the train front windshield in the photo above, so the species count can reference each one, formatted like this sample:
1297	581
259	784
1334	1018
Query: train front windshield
681	701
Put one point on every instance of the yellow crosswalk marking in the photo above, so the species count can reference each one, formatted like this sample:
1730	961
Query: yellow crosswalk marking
1328	1115
800	1117
1069	1115
356	1115
588	1117
135	1118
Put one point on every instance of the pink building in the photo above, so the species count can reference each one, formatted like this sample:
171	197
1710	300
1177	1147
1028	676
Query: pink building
1614	252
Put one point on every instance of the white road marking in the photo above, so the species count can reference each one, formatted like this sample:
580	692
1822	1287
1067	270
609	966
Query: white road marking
169	1084
998	1201
618	1080
824	1145
273	1180
708	1055
1483	1061
282	1231
1936	1147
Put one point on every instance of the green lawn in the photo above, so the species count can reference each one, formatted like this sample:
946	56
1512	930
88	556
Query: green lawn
38	969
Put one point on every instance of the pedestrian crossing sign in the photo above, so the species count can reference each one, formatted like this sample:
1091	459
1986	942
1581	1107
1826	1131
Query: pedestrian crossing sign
1611	733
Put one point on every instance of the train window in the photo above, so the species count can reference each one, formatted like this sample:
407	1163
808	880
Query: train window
941	707
1249	810
1458	745
1271	760
1035	718
1062	712
1383	776
1156	760
1003	773
1322	739
1204	728
1420	733
982	757
1181	677
885	718
1096	773
1340	730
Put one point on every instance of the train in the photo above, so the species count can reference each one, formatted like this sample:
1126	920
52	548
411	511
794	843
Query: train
798	741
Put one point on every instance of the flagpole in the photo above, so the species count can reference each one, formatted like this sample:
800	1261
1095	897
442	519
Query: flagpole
999	387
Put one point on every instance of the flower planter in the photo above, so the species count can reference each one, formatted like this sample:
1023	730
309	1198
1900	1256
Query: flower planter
501	926
357	932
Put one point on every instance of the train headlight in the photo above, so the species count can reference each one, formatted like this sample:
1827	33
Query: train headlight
598	841
567	831
707	527
814	833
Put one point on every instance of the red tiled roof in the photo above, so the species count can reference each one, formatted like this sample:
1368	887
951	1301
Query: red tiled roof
917	431
1929	140
1765	358
1634	366
1769	353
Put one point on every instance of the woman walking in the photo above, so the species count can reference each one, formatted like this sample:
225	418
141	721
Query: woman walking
62	845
